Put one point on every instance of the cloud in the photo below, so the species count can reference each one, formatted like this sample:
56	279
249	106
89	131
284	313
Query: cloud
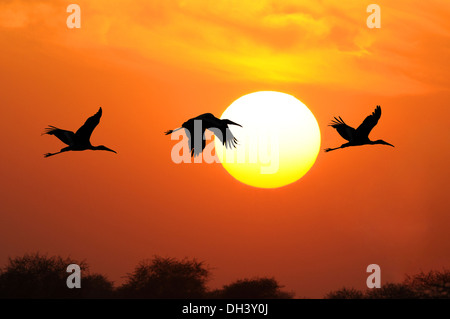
325	42
22	14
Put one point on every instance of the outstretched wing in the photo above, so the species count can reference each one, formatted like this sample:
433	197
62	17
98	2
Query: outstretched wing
196	143
347	132
220	129
85	131
225	136
67	137
369	123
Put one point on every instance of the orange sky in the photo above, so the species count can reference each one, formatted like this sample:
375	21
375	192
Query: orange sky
151	65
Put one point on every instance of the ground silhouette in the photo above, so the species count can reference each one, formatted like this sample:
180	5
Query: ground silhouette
39	276
256	288
424	285
166	278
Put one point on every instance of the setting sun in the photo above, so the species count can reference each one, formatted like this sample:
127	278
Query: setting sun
278	143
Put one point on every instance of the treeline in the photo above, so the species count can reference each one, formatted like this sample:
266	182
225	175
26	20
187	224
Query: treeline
424	285
40	276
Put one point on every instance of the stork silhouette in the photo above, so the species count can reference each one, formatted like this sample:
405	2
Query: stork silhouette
360	136
208	121
80	140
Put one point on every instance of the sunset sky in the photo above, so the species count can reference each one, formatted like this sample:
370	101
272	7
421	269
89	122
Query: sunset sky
151	65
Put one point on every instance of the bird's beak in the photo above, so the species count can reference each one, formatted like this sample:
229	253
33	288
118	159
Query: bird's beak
233	123
389	144
110	150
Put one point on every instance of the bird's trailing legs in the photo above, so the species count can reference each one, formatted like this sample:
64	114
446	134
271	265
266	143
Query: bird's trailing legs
336	148
171	131
331	149
61	151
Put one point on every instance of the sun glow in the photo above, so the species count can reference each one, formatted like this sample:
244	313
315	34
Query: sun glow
278	143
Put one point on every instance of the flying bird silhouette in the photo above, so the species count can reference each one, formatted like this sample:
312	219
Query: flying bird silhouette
80	140
360	136
208	121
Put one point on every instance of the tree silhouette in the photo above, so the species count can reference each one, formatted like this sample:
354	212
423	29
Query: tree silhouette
37	276
345	293
166	278
257	288
433	284
96	286
391	291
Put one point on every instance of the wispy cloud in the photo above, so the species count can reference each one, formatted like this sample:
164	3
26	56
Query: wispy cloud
23	14
324	42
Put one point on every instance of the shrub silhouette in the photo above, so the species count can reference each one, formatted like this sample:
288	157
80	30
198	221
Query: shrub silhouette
257	288
37	276
95	286
434	284
391	291
166	278
345	293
